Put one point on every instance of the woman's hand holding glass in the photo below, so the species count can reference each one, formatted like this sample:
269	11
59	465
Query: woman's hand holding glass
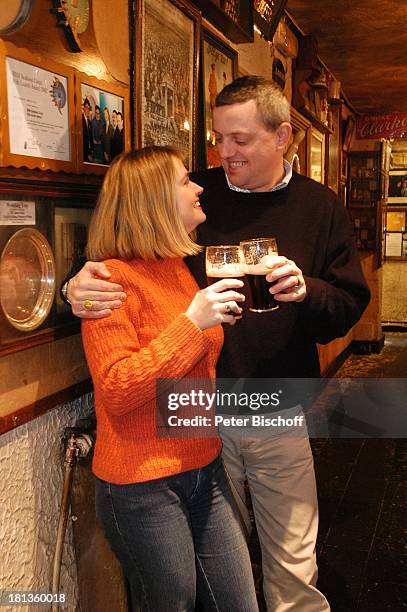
216	304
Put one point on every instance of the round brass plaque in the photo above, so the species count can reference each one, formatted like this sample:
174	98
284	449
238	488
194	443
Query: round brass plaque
27	279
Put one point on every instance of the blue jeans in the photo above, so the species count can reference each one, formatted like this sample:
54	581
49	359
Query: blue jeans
179	542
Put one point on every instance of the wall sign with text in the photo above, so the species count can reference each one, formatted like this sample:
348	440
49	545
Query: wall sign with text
381	126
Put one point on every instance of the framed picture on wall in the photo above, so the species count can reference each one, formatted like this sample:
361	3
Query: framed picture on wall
397	187
219	64
349	130
267	14
234	18
37	261
167	52
102	119
317	167
71	225
333	144
37	119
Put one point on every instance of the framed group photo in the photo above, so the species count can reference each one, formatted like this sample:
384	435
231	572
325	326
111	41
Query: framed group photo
37	102
219	68
102	118
167	52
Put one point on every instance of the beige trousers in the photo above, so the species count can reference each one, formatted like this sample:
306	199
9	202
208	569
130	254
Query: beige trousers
278	465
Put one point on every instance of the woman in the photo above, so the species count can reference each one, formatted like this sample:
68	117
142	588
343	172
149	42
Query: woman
164	503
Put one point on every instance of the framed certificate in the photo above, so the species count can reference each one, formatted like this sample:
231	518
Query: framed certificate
37	101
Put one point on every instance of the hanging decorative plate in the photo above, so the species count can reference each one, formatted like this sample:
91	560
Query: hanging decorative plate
27	279
73	16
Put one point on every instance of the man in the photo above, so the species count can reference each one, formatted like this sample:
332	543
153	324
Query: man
117	145
107	136
321	291
97	134
87	138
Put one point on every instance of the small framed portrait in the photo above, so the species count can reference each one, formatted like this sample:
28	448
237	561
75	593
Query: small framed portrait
166	46
37	120
219	68
397	187
102	119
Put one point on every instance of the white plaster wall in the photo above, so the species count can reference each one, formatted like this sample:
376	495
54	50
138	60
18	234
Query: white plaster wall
31	476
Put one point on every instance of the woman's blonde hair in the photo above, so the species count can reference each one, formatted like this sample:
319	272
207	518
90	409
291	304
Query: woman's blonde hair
136	216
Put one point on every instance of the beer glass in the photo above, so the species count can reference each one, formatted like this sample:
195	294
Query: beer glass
258	255
224	261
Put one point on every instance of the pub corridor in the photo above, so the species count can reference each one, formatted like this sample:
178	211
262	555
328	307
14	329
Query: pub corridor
362	491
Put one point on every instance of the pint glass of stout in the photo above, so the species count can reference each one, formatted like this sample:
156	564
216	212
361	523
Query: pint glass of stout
224	261
258	255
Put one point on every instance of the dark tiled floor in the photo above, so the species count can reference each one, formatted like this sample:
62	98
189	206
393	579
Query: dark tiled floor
362	490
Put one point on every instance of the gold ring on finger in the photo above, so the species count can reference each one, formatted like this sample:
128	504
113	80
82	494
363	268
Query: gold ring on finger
88	304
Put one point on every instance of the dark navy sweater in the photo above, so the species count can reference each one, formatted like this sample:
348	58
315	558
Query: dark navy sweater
312	228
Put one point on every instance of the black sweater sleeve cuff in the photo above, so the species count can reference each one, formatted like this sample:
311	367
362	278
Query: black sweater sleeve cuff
77	265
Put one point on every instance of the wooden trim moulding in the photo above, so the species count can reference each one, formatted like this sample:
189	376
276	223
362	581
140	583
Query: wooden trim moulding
299	120
50	334
40	407
51	188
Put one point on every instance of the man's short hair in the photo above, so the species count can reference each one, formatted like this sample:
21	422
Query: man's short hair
97	108
86	103
272	104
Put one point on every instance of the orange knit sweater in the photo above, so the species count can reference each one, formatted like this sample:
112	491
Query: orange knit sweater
147	338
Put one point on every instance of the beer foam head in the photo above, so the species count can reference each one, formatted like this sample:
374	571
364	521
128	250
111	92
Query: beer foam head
224	270
263	266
